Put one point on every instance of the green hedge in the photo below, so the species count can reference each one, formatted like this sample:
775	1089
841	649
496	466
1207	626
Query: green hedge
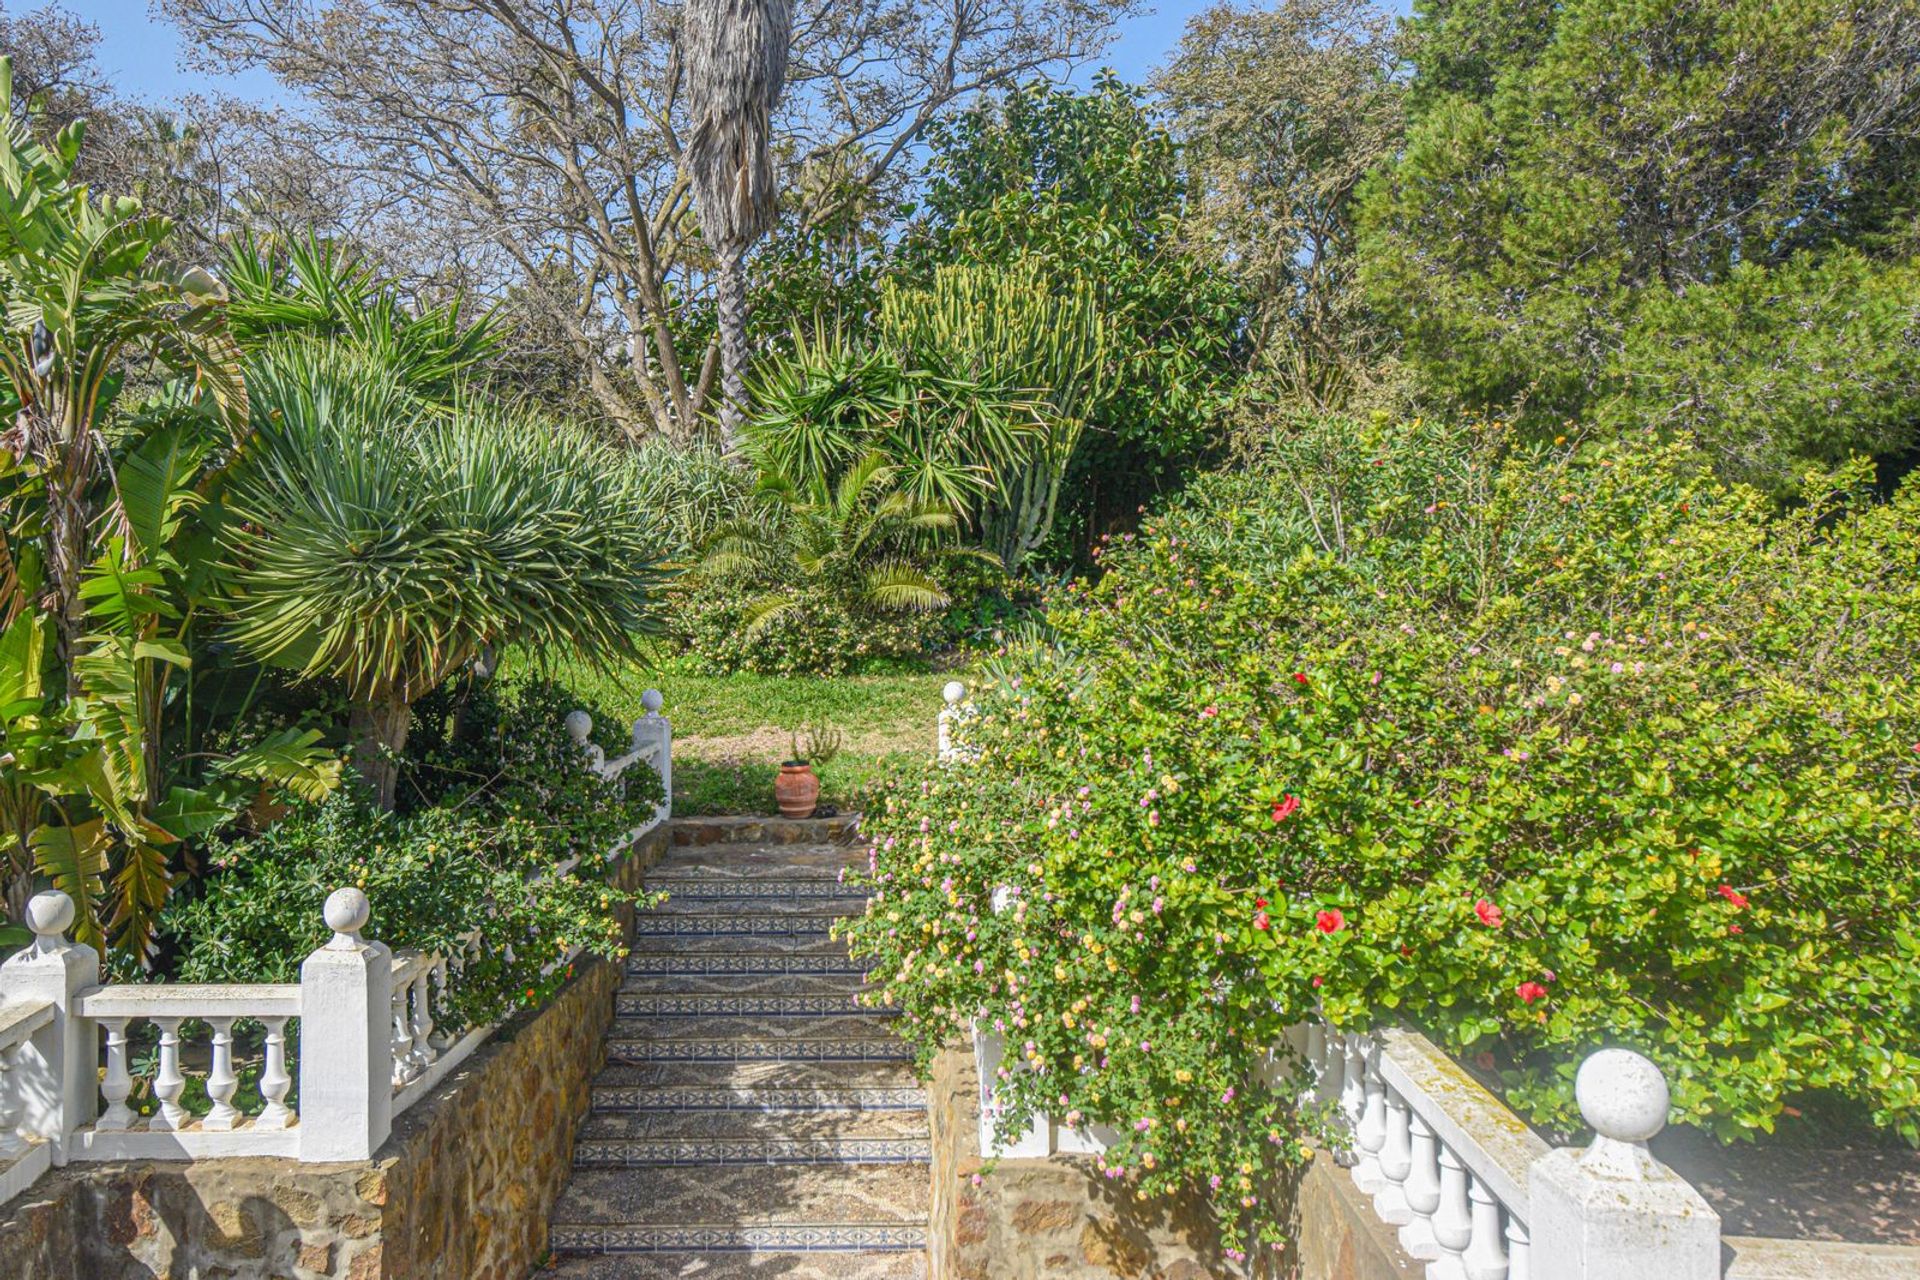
1536	749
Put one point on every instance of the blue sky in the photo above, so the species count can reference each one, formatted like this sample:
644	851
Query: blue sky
142	54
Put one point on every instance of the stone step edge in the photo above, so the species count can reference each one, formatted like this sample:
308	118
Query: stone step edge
631	1052
755	829
767	1100
688	1153
712	964
847	1237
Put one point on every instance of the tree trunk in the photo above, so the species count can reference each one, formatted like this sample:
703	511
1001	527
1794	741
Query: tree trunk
730	290
378	731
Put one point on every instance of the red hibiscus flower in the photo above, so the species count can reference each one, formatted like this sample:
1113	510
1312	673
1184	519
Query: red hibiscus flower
1285	807
1733	895
1735	929
1489	913
1530	991
1260	920
1299	677
1318	980
1330	921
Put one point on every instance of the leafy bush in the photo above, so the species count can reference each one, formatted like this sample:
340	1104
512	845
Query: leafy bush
819	634
1535	748
469	874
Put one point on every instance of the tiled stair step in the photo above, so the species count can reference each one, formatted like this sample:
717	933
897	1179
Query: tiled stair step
743	1125
828	958
750	924
827	909
847	985
898	1265
733	1049
829	1101
743	830
821	1026
771	1073
691	1005
791	1208
809	888
627	1153
748	863
765	944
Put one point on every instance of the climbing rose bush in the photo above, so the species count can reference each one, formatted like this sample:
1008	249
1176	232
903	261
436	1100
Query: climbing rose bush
1534	749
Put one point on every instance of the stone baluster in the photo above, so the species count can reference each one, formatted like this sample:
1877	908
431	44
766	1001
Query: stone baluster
221	1081
1519	1250
1353	1083
118	1082
1422	1188
1486	1255
1453	1220
1396	1161
1333	1067
423	1050
1370	1135
1315	1052
403	1065
274	1080
11	1144
168	1083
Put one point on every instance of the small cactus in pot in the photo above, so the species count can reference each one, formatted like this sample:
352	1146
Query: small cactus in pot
797	789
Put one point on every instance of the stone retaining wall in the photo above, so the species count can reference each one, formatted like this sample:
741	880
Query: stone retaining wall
1054	1218
461	1191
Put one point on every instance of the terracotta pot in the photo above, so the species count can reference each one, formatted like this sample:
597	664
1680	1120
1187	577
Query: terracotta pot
797	790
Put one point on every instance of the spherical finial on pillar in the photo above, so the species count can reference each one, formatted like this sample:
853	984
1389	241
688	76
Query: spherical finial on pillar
651	702
954	692
346	914
1624	1097
49	916
579	726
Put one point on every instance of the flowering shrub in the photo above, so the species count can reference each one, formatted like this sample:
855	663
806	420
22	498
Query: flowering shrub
1536	749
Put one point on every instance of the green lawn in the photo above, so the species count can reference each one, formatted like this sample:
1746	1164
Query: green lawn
730	733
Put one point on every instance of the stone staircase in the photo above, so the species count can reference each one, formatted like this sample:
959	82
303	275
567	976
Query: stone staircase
751	1120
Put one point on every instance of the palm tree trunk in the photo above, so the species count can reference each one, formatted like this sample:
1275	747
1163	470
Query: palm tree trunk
377	729
730	299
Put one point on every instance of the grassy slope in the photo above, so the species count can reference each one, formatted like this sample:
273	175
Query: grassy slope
731	732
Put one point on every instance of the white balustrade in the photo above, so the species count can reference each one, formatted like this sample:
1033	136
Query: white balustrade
375	1014
652	743
184	1017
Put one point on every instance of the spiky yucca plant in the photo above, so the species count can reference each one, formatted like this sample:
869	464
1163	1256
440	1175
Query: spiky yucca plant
387	545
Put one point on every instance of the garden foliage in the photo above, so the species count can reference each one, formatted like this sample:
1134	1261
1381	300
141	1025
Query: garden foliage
502	798
1535	748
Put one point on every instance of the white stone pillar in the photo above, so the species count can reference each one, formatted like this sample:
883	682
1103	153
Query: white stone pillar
55	1074
1612	1211
954	694
650	728
346	1039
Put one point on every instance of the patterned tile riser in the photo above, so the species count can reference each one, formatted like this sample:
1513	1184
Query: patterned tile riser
733	1239
645	964
754	1151
766	1100
744	1006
